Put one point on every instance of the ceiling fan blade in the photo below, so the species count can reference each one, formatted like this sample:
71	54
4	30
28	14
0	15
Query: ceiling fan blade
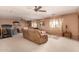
37	8
42	10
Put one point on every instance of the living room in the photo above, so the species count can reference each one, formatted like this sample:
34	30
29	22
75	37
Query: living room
39	28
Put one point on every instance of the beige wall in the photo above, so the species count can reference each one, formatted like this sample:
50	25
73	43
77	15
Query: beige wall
71	20
10	21
5	21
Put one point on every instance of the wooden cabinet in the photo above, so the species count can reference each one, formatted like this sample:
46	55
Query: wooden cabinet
67	34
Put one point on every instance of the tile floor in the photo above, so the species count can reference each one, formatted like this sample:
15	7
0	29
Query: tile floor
55	44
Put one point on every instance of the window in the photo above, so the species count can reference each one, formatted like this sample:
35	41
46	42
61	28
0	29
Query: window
34	24
56	23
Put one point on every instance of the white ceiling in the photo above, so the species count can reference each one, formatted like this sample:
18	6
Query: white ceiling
28	13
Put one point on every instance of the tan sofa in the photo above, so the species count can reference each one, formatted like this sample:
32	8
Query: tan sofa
35	36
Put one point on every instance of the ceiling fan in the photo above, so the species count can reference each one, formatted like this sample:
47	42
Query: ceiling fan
39	9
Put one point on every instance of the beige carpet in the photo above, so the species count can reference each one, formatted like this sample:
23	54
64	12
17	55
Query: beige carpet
55	44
